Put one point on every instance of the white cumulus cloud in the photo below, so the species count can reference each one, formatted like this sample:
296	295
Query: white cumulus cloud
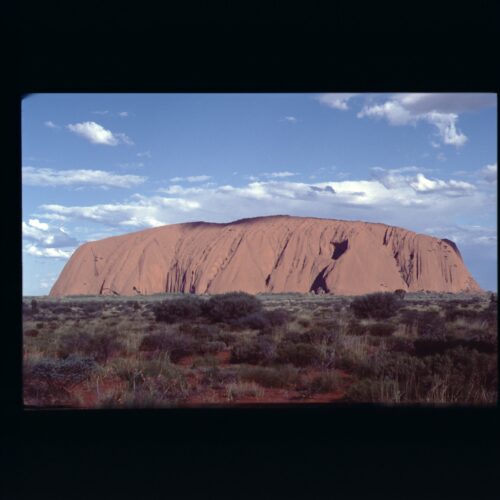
33	176
440	110
192	178
97	134
489	173
337	100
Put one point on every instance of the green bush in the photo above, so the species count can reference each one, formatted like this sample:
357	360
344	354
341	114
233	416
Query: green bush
231	306
175	310
381	305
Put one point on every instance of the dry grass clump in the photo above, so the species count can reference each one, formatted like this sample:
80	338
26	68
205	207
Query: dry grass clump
240	390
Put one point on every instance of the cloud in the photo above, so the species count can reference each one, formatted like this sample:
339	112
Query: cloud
394	179
440	110
105	112
140	211
97	134
395	196
274	175
449	102
139	164
54	253
466	235
192	178
489	173
146	154
336	100
424	185
51	124
49	177
41	240
123	114
42	234
291	119
271	175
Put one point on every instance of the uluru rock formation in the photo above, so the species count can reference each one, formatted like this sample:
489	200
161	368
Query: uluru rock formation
274	254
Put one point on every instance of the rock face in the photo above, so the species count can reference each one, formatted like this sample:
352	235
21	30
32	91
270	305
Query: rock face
266	254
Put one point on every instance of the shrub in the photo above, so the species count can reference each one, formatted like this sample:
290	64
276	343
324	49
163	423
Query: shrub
277	317
178	346
400	293
319	335
304	322
302	354
243	390
34	306
49	378
254	321
356	328
279	377
201	332
230	306
259	351
428	323
399	344
325	382
31	333
212	347
382	329
100	346
381	305
370	391
172	311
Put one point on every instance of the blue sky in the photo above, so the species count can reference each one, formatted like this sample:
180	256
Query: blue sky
98	165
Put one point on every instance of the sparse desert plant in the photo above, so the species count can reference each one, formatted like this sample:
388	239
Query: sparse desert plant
241	390
253	321
400	293
381	305
382	329
328	381
47	379
320	334
278	317
259	351
279	376
100	346
32	332
177	346
304	321
230	306
174	310
301	354
34	306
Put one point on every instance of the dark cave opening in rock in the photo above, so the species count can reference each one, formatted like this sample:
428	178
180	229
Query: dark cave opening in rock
339	249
